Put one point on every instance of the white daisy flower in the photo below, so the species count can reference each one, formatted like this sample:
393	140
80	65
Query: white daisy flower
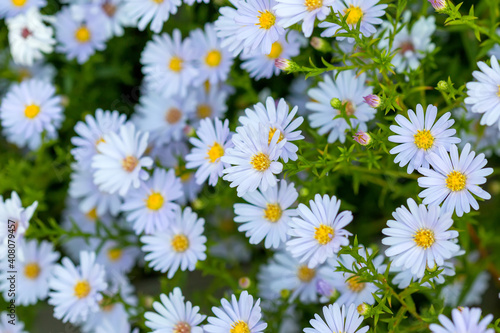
29	37
277	116
34	271
191	2
6	326
484	95
213	139
365	12
349	89
290	12
181	245
168	64
76	290
174	315
420	238
40	70
12	8
112	318
79	31
421	135
454	179
120	160
117	17
318	233
254	159
29	109
12	210
238	316
261	65
210	103
155	12
267	214
228	30
151	206
464	320
213	61
337	319
117	259
91	133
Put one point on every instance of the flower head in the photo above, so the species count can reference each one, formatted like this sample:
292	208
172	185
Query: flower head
362	138
464	320
438	4
372	100
337	319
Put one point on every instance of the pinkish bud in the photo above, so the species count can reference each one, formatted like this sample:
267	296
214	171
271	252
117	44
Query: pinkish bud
372	100
283	64
438	4
244	282
362	138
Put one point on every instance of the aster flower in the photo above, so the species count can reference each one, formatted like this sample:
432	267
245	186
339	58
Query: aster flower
12	209
5	326
155	12
12	8
362	138
365	12
420	136
420	237
117	259
262	65
79	31
117	17
210	103
318	233
484	95
29	109
349	89
181	245
172	314
39	70
112	318
29	37
76	290
337	319
227	28
372	100
238	316
438	4
34	270
464	320
174	78
213	139
454	179
253	159
120	160
290	12
151	206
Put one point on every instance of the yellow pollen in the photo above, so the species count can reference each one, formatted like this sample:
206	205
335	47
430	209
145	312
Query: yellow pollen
157	1
175	64
129	163
99	141
173	115
305	274
32	270
19	3
273	212
324	234
313	4
276	50
182	327
239	327
424	238
92	214
455	181
271	134
266	20
354	14
424	139
155	201
180	243
215	152
213	58
204	111
260	162
83	34
498	93
349	108
82	289
354	285
31	111
114	254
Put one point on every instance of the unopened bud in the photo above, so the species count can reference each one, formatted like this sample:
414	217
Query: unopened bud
285	293
372	100
285	64
324	288
320	44
244	282
442	85
364	309
362	138
438	4
148	302
189	130
336	103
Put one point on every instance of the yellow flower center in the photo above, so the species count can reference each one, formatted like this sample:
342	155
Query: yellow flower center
92	214
424	139
273	212
129	163
175	64
182	327
313	4
31	111
32	270
498	93
155	201
271	134
354	285
173	115
82	289
157	1
260	162
239	327
215	152
276	50
455	181
182	173
180	243
424	238
99	141
305	274
115	254
19	3
204	111
83	34
349	108
324	234
266	20
213	58
354	14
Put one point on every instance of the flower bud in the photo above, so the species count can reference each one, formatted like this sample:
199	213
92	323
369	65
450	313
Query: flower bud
372	100
336	103
442	85
320	44
364	309
438	4
285	293
283	64
244	282
362	138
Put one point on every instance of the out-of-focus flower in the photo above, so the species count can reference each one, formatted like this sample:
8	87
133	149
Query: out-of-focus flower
12	8
464	320
337	319
155	12
438	4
